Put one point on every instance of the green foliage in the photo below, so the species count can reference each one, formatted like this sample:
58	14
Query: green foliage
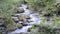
56	22
38	4
47	28
7	6
9	23
6	10
44	30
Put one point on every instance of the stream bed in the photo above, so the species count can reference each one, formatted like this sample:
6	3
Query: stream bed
34	18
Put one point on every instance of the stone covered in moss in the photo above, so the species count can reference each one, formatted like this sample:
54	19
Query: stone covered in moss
19	25
20	10
24	18
11	27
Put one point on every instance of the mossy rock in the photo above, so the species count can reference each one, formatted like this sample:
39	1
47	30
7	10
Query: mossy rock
15	19
24	24
9	21
19	26
27	16
24	18
20	10
2	20
20	19
11	27
29	29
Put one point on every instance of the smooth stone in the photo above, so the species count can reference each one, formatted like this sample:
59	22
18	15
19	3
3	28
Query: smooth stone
29	21
15	19
23	18
28	17
20	10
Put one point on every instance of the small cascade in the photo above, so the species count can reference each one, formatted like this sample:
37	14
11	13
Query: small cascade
34	20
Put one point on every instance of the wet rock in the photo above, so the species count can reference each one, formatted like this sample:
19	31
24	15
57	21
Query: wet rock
15	19
11	27
24	24
58	13
16	22
27	17
20	19
48	15
19	26
14	15
3	29
2	26
29	21
27	8
24	18
40	11
29	29
20	10
48	19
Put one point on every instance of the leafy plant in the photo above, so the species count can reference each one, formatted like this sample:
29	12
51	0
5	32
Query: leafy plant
39	4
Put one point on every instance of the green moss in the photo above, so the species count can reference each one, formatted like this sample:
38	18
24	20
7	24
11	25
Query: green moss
56	22
47	29
19	25
8	20
7	6
11	27
20	10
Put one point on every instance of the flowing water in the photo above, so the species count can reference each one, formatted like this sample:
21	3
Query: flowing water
34	17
